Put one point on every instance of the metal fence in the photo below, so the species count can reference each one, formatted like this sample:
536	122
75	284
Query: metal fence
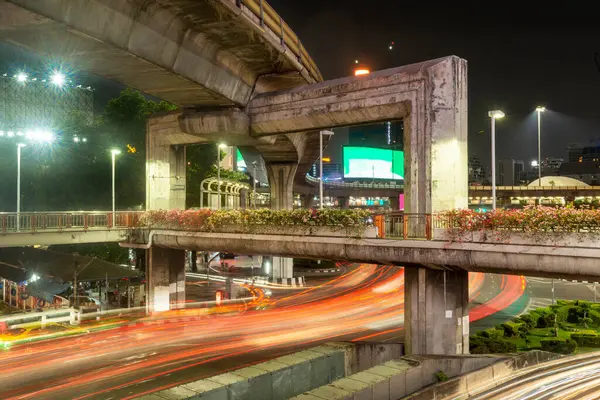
66	220
404	226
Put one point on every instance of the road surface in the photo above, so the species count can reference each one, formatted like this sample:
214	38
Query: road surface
366	303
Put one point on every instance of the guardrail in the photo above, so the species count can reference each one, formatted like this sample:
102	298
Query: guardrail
66	220
74	316
268	17
355	185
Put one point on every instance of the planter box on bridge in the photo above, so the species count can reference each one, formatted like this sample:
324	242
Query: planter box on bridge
141	235
490	236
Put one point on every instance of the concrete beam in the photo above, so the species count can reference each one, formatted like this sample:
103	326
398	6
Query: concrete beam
431	97
530	260
187	52
66	236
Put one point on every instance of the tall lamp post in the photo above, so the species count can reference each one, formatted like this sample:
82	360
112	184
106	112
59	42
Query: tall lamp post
494	115
114	153
254	165
539	111
19	147
219	147
321	133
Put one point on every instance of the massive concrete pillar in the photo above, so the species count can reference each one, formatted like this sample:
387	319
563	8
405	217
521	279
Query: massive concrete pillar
165	279
283	267
436	319
165	163
281	182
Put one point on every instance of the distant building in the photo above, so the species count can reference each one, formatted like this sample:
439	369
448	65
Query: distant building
476	171
550	164
509	172
584	153
331	171
585	171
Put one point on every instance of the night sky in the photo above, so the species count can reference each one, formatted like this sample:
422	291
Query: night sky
520	55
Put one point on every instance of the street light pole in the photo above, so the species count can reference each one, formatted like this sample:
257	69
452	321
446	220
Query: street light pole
254	185
494	115
321	133
19	147
219	147
539	110
114	153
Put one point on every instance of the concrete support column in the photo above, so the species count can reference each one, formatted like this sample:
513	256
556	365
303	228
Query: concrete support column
283	267
165	279
165	165
436	319
344	202
281	182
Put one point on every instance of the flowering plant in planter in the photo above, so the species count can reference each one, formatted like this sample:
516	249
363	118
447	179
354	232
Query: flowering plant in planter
212	220
530	219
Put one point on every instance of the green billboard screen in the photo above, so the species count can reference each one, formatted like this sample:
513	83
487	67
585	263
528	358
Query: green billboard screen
373	162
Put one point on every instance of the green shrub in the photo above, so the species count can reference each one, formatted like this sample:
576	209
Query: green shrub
494	334
441	376
562	302
512	329
529	319
587	339
573	314
559	345
484	345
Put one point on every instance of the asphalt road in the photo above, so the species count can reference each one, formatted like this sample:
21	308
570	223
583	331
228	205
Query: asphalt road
366	303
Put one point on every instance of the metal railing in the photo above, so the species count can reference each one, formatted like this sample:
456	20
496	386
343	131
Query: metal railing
268	17
404	226
66	220
355	185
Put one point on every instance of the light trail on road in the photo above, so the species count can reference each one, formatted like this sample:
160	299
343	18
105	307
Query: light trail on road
186	345
566	379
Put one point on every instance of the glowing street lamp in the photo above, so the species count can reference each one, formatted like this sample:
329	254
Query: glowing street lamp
58	79
361	71
494	115
221	146
114	153
539	111
21	77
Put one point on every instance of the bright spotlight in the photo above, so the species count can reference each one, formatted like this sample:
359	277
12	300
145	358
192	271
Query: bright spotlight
496	114
58	79
222	146
361	71
84	140
21	77
1	133
540	109
115	151
10	134
76	139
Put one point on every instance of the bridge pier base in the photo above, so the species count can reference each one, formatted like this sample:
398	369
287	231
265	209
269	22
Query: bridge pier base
283	267
165	279
436	319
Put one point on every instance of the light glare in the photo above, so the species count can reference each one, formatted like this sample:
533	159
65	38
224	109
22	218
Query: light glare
22	77
58	79
496	114
361	71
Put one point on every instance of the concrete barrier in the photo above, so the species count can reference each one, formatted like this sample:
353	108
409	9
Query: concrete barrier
286	376
408	376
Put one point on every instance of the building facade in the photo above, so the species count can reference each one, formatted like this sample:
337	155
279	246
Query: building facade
509	172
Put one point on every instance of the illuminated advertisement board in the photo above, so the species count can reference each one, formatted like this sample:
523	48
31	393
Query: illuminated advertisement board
373	163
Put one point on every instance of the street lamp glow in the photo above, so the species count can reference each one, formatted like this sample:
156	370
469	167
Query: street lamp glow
540	109
534	163
58	79
114	152
361	71
496	114
21	77
222	146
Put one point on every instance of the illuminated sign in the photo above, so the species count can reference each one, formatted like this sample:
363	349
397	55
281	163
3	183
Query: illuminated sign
373	162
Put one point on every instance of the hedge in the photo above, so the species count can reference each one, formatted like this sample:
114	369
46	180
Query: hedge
586	340
559	345
484	345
